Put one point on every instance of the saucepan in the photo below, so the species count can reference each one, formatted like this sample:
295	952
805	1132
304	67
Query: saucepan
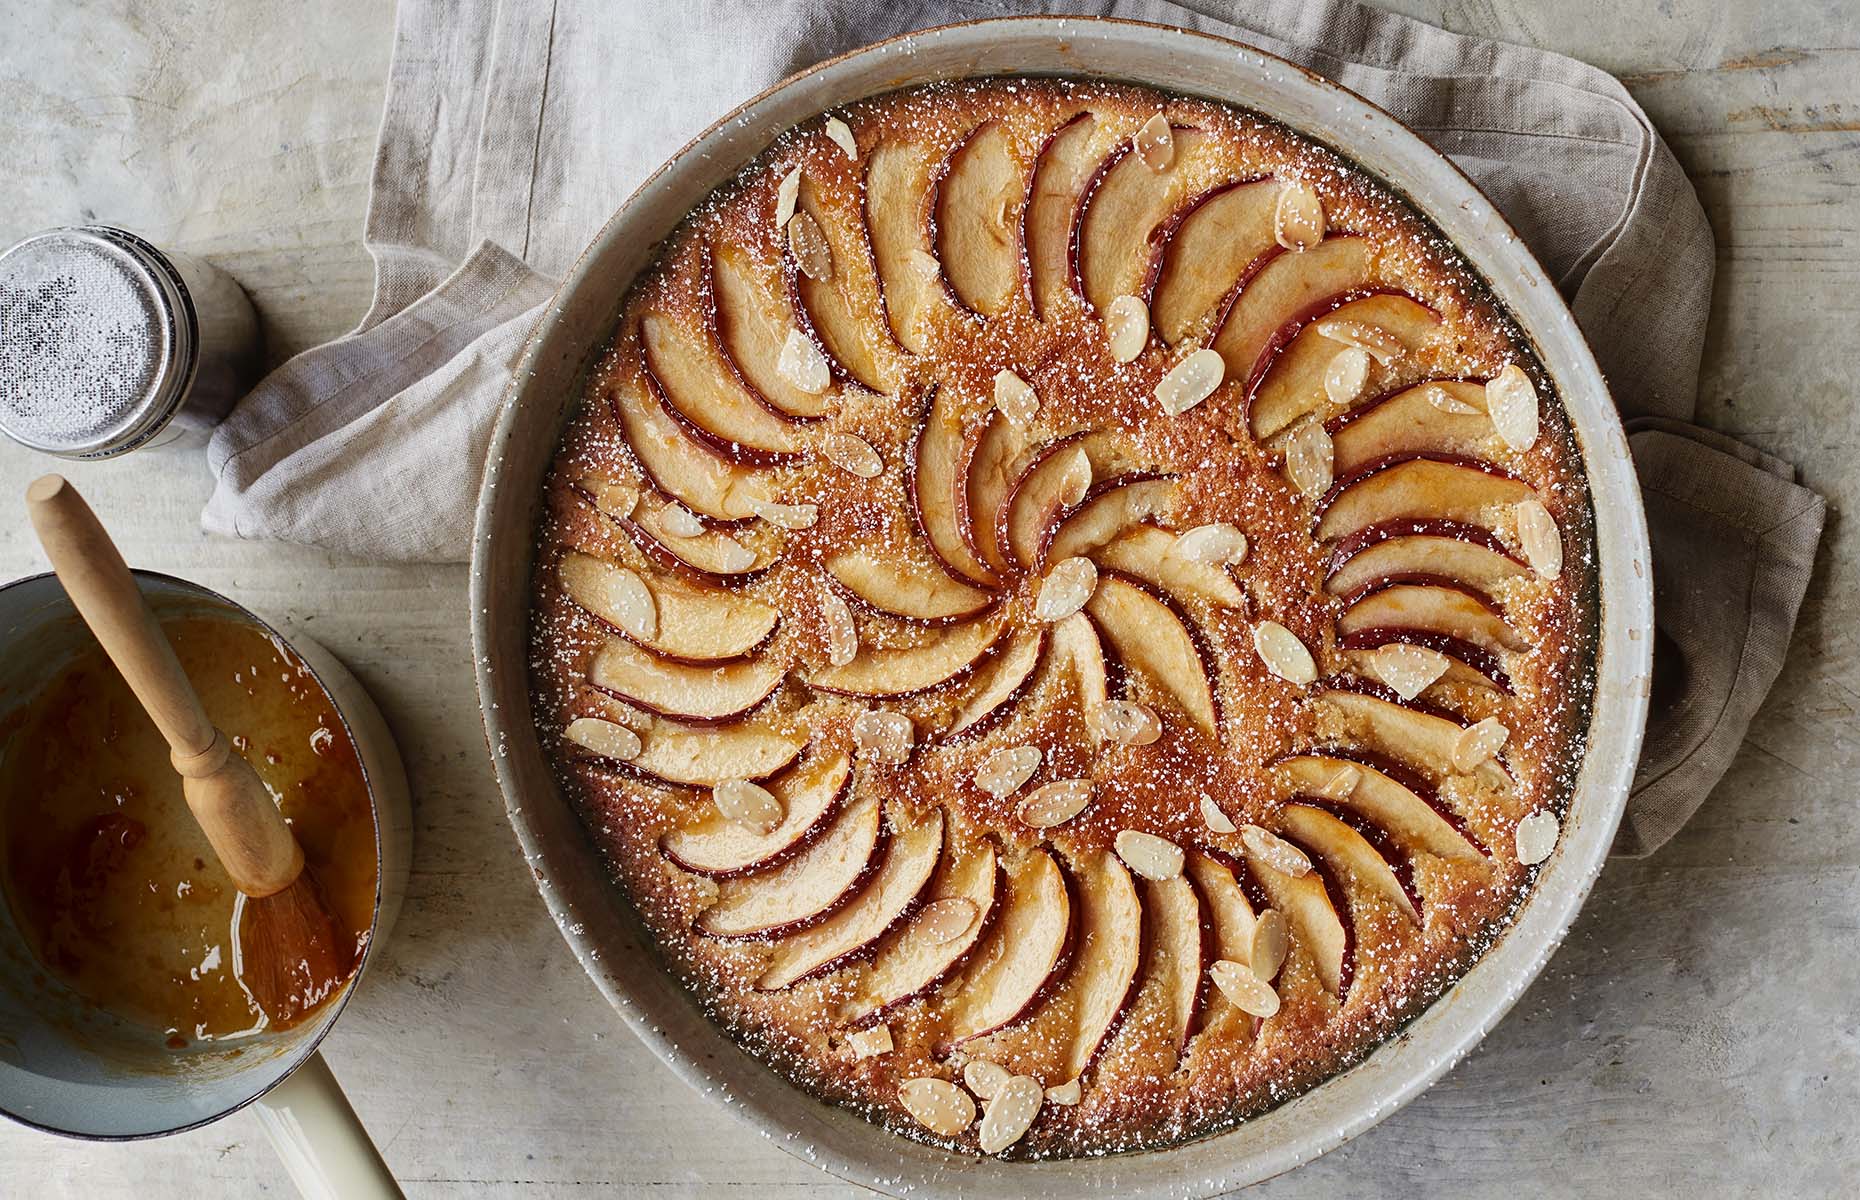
575	883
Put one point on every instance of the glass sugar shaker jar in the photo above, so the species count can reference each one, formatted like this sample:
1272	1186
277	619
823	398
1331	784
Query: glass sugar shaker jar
108	344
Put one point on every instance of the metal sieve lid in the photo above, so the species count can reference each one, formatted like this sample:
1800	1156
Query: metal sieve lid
92	357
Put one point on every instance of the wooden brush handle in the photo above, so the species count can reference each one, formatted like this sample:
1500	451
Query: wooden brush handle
227	797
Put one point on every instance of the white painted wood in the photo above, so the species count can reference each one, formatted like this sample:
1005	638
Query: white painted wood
1697	1034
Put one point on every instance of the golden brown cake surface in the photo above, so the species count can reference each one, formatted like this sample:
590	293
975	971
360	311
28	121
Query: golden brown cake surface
1058	617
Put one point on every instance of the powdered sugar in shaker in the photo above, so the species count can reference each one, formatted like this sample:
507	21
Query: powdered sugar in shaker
108	344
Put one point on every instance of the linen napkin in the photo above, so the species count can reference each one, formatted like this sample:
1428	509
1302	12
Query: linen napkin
513	129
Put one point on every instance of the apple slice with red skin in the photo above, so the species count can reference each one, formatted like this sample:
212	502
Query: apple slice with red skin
751	324
1310	903
805	888
992	460
1233	921
1035	502
1289	382
1114	243
1203	249
1432	604
897	177
678	466
1106	970
702	396
1022	958
1279	287
1151	633
1391	796
704	756
707	694
1467	664
898	586
1000	682
703	559
1147	552
825	309
1408	546
1181	947
936	478
1060	171
693	626
1078	650
1405	421
950	654
1417	486
974	204
915	957
1110	507
1353	855
810	794
1411	732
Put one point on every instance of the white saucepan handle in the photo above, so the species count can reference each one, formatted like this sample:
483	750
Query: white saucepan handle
321	1140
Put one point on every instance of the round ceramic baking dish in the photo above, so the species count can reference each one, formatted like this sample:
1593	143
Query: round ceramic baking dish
594	918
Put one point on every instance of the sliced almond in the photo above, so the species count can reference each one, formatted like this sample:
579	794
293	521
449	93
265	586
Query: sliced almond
1477	743
1218	544
1016	399
924	263
1214	817
885	737
802	364
870	1043
787	195
1283	654
680	521
937	1104
1536	838
1190	382
1310	459
1408	670
1275	851
946	920
808	243
629	602
1065	589
1272	941
1540	538
1154	143
1342	785
1250	994
1148	855
842	136
1381	345
786	516
1298	218
604	738
1512	403
1075	479
1446	401
1010	1114
1005	771
1126	723
1126	328
1066	1094
615	499
1054	803
1346	375
842	630
748	804
853	455
985	1078
732	555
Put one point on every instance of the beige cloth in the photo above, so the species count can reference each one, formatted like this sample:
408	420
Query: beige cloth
513	129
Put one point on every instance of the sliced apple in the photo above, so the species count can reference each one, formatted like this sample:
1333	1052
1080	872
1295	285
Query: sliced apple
937	481
1181	947
1109	508
1309	902
1037	498
1424	738
680	467
948	655
1105	975
1435	605
1278	287
1470	554
1149	632
911	856
1290	382
689	625
751	324
975	201
1078	650
1002	680
1465	490
707	401
810	795
894	584
1228	908
1022	957
829	310
1207	244
1059	176
805	888
704	756
1149	554
1467	664
1406	421
1388	795
712	556
701	694
920	954
897	178
1353	856
992	460
1115	243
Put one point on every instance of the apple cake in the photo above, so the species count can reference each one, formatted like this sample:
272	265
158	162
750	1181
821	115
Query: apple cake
1068	610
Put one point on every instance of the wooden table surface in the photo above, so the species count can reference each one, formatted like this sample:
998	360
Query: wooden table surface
1699	1032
